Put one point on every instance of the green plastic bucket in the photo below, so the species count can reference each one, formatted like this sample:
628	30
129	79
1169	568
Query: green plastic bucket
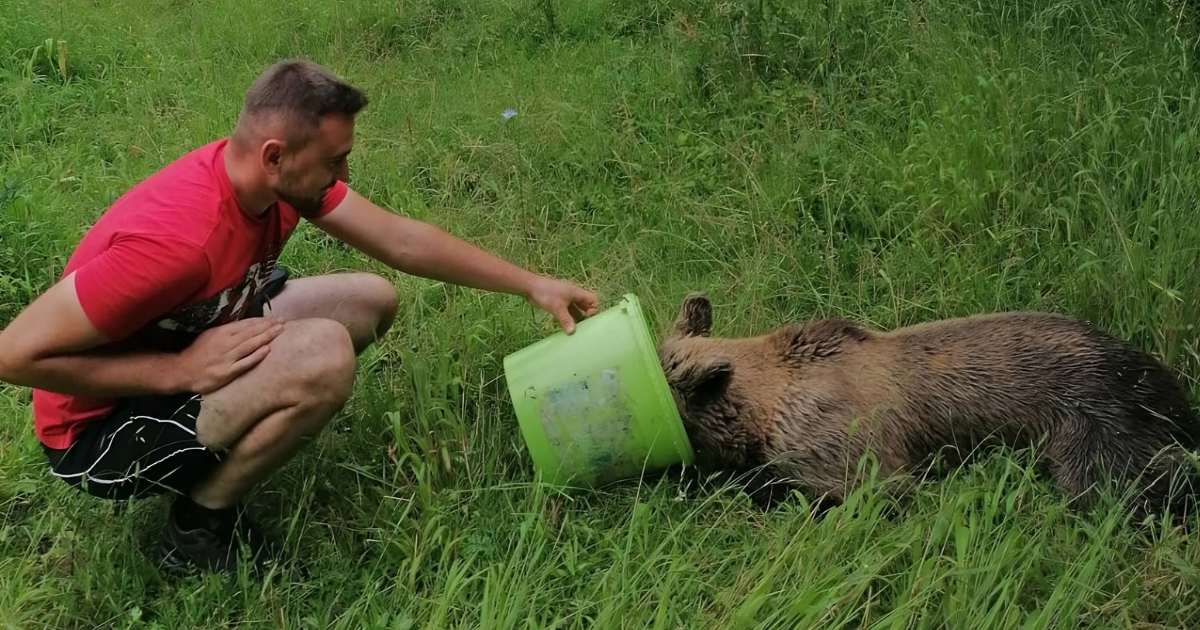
594	407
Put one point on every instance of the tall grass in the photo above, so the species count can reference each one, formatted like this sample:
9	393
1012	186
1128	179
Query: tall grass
889	161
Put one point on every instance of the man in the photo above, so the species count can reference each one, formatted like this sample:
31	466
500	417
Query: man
171	357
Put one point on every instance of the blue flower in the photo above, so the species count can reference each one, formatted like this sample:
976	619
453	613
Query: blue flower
509	113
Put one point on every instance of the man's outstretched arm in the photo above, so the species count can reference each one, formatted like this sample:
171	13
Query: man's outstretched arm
420	249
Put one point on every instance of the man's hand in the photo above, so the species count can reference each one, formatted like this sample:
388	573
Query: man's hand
224	353
565	301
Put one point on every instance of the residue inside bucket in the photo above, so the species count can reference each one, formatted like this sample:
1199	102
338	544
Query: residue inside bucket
590	421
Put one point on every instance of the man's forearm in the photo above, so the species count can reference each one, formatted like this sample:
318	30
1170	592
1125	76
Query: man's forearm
429	252
100	374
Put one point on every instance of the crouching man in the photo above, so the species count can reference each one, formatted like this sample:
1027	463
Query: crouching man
172	356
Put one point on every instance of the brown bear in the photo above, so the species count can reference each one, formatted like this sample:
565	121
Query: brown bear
804	403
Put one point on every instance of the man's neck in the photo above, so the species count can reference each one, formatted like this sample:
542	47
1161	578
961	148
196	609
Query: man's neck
251	195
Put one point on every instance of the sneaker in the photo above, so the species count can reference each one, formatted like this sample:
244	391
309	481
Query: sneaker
216	547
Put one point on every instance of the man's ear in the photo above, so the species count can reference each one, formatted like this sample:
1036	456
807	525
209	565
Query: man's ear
271	155
703	383
694	318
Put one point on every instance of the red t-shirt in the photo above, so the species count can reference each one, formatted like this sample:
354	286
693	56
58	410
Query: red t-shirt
173	256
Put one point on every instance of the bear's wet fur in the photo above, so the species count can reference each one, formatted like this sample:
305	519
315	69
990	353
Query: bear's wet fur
801	405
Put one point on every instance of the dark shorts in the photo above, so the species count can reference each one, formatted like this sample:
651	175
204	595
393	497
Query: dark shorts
145	446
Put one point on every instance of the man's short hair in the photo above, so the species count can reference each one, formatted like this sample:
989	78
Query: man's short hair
303	93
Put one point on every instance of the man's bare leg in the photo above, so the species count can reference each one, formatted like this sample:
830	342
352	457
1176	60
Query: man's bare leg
264	417
363	302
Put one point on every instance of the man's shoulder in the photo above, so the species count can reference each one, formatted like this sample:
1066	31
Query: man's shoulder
185	199
195	177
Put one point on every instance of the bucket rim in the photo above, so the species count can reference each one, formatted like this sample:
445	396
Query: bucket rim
661	388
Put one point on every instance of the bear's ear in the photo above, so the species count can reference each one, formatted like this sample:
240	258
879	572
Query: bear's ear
706	382
694	318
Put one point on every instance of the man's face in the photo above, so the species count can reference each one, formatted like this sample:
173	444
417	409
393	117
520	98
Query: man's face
306	175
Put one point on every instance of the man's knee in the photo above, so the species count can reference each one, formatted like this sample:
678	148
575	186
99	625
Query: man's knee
382	299
326	374
309	373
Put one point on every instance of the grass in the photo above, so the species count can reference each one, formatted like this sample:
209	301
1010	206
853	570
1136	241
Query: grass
894	162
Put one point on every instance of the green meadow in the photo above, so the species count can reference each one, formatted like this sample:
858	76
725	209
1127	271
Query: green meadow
890	161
